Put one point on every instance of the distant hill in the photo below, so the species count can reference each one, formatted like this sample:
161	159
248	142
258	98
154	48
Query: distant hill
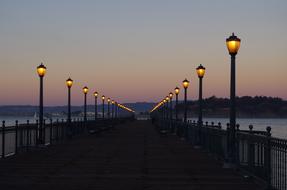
247	106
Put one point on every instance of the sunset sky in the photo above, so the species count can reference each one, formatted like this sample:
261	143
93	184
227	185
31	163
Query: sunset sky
133	50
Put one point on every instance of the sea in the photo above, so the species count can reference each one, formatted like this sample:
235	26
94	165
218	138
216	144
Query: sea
11	120
278	126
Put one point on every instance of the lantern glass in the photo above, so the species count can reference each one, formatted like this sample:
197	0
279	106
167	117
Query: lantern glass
176	90
41	70
69	82
200	71
185	83
233	44
85	90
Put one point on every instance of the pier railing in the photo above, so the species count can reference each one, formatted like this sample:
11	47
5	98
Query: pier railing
23	137
257	152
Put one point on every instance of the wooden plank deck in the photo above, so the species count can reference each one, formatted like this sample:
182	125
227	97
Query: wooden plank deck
133	156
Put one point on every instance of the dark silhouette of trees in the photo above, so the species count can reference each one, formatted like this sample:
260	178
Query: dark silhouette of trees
247	106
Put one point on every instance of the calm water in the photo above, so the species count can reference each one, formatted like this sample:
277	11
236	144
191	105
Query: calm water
279	126
10	120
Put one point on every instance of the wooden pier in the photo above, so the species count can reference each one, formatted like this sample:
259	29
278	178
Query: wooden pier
131	156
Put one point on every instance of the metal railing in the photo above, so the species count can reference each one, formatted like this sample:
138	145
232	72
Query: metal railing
25	136
257	152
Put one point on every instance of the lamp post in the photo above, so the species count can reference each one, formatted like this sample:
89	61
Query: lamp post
167	111
170	97
170	110
233	45
69	83
116	110
200	73
185	85
96	105
109	101
103	99
85	91
113	109
41	70
176	91
164	109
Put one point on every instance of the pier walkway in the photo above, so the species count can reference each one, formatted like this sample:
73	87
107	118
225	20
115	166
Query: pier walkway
132	156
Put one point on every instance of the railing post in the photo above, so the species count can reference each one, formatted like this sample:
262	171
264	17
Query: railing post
57	130
44	132
195	132
36	132
74	126
16	136
77	127
62	130
250	149
82	126
207	136
268	157
237	144
27	135
219	125
3	139
219	141
187	130
67	128
227	142
51	131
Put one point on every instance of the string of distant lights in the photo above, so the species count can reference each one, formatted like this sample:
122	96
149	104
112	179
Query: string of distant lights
200	72
125	108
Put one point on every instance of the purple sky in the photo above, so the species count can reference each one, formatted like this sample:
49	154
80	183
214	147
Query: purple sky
139	50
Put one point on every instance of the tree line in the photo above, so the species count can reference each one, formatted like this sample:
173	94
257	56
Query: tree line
247	106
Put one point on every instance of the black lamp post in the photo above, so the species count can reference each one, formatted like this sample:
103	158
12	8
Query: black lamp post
233	45
116	110
167	107
96	105
103	99
69	83
163	112
113	109
164	109
200	73
109	101
170	99
85	91
41	70
185	85
170	111
176	91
